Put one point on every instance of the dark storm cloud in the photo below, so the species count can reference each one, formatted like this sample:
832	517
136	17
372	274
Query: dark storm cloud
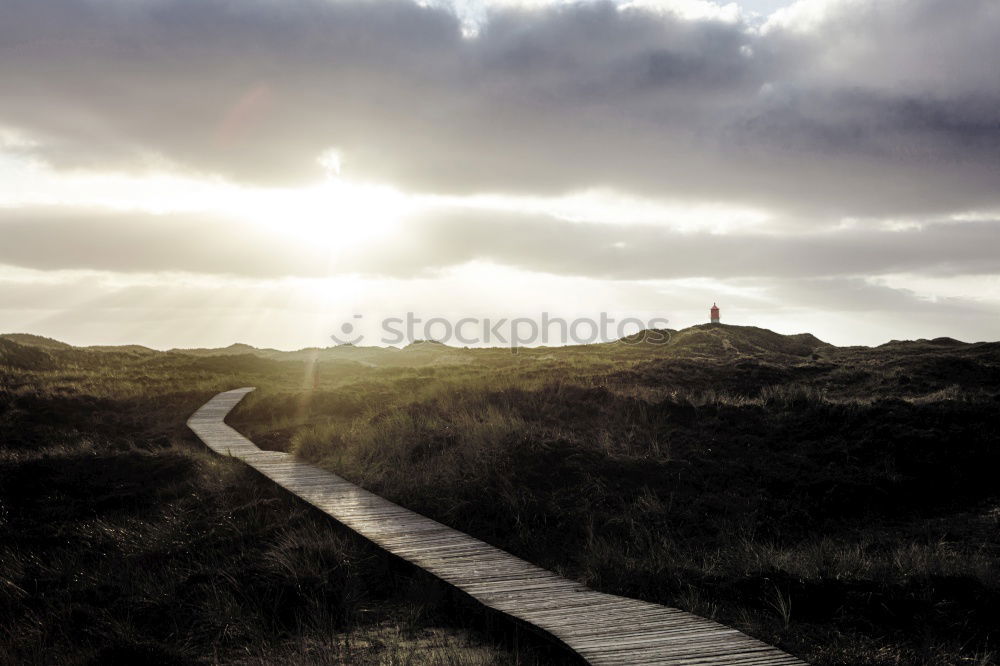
885	108
54	239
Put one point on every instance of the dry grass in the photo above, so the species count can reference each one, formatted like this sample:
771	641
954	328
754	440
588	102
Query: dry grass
123	541
840	503
836	506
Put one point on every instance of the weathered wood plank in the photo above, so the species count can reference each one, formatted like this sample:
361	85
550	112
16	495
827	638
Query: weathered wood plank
604	629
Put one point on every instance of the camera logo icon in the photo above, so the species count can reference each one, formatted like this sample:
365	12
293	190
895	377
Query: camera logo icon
347	330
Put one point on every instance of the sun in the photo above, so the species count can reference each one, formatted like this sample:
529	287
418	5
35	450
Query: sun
337	214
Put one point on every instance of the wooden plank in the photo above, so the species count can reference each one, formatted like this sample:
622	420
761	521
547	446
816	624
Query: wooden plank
602	628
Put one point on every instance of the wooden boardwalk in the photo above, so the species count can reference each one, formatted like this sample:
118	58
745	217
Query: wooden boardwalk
602	628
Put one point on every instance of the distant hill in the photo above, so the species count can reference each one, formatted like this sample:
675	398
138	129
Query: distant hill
417	353
726	340
234	349
125	349
28	357
649	337
718	343
418	345
30	340
706	340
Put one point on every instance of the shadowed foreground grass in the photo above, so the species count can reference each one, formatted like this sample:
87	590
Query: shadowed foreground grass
122	541
840	503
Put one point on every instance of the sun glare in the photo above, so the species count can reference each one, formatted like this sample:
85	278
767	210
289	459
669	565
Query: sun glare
336	214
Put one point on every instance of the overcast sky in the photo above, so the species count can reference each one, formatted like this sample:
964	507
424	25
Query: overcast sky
200	172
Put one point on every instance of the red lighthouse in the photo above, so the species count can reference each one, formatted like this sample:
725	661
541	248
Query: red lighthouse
714	313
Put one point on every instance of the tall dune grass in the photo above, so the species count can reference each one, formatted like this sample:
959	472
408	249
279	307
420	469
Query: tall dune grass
842	507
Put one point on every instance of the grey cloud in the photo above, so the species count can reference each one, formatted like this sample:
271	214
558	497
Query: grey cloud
649	252
50	239
851	119
53	239
851	294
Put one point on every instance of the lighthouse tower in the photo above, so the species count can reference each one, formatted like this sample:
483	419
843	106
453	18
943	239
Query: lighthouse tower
715	313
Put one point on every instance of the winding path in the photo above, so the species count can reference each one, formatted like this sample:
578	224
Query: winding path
602	628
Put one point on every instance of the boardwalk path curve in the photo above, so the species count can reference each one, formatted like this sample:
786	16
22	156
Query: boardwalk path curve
602	628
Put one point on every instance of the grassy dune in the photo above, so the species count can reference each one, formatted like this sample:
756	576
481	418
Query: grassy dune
122	541
839	502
